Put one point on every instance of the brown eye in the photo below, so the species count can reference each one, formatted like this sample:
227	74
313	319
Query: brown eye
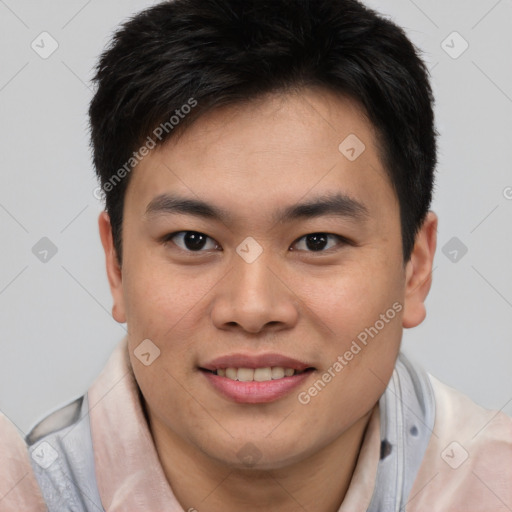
317	242
192	241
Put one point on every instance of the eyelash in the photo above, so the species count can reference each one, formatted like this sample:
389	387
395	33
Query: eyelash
341	241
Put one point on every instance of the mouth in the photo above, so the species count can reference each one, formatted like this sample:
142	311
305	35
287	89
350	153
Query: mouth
255	379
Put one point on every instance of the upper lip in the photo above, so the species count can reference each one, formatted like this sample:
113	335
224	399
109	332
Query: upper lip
254	361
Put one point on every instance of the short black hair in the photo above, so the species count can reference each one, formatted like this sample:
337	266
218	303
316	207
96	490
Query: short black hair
172	62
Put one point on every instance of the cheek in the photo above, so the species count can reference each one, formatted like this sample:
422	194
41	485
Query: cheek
354	296
161	299
362	307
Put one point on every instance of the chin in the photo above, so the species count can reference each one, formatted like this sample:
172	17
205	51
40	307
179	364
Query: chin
261	454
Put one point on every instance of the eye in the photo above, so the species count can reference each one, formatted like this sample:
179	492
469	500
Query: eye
192	241
318	242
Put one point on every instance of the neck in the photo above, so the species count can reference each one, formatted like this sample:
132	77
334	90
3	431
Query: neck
318	482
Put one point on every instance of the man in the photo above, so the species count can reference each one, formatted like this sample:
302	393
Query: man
267	169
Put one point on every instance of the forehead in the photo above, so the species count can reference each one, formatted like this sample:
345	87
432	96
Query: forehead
269	152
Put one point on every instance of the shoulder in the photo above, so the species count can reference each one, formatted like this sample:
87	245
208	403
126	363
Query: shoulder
62	458
468	462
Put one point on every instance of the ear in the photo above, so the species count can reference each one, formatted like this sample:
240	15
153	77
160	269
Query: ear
114	272
418	273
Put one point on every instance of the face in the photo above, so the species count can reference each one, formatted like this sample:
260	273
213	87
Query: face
255	242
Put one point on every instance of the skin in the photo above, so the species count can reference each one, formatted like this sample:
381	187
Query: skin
252	160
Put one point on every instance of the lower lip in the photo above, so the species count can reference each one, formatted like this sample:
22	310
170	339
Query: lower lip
256	392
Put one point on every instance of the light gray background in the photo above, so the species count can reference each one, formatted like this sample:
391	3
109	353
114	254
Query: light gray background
56	330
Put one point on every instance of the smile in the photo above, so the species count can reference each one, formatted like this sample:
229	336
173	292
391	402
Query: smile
257	374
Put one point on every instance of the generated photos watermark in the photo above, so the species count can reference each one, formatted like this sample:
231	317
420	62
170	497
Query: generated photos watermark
151	142
342	361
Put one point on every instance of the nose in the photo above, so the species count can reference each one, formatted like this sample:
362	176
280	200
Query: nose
254	297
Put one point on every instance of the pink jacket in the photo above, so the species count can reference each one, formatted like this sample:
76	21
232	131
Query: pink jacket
19	491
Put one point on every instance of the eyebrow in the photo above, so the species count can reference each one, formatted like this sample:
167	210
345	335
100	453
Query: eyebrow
338	204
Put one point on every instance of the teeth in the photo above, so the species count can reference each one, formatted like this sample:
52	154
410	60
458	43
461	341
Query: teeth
277	372
245	374
231	373
258	374
263	374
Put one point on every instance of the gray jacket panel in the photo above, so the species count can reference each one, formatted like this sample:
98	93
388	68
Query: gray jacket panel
63	459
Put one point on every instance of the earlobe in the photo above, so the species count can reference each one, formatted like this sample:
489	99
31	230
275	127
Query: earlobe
419	272
114	272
